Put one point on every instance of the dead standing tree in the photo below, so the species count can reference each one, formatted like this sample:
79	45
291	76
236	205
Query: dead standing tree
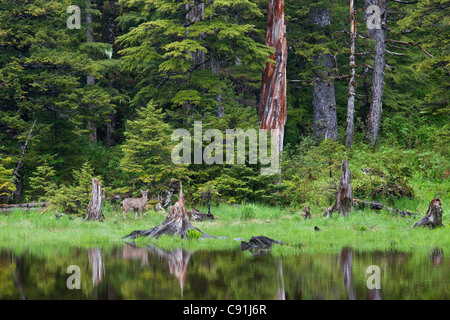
94	209
176	223
272	111
344	200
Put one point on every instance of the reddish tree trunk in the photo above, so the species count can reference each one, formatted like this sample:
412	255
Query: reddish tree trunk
272	111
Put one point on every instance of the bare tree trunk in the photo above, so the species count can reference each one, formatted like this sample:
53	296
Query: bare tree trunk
352	81
90	79
344	199
323	94
433	218
272	111
376	103
94	209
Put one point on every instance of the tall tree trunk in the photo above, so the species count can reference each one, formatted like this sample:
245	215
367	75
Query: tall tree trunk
352	81
90	79
272	111
323	94
376	103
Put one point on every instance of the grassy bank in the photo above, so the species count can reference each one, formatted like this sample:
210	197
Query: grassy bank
364	230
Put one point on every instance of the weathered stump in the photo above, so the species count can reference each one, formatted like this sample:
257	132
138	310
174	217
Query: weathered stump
433	217
344	199
94	209
307	214
176	223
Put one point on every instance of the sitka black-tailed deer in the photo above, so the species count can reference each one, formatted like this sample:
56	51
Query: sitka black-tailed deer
135	204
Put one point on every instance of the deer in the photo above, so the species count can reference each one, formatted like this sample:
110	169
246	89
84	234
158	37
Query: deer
134	203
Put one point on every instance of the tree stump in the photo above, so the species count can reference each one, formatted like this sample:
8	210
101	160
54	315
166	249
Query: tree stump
344	199
94	209
433	217
176	223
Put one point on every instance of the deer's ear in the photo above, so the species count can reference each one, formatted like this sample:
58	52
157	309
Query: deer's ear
147	190
141	190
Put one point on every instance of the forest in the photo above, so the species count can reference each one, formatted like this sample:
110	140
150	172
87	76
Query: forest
92	88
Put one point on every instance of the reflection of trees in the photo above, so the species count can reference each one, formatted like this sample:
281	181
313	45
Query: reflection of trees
281	295
96	261
345	259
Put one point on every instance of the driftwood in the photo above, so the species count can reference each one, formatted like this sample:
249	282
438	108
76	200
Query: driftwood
94	209
379	206
176	223
258	243
433	217
198	215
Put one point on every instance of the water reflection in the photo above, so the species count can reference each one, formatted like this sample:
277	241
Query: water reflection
130	272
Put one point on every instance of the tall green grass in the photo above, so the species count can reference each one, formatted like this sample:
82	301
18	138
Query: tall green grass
365	230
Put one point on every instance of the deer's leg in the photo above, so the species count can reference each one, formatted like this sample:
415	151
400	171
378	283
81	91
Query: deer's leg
125	214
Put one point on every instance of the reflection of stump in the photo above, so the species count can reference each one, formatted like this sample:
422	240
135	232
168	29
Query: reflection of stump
433	217
176	223
94	209
96	261
177	259
436	257
346	261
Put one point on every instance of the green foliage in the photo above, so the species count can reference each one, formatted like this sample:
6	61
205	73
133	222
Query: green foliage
6	184
248	213
193	234
42	183
74	198
147	150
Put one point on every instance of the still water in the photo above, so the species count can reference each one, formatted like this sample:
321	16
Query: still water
127	272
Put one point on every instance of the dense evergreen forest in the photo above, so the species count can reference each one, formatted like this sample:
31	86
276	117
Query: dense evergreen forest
102	98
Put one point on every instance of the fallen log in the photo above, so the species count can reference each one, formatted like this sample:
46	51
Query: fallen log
379	206
258	243
176	223
198	215
28	206
433	217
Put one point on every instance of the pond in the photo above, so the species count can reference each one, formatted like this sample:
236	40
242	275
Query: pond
129	272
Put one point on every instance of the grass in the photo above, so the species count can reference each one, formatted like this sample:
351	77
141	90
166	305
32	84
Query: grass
364	230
